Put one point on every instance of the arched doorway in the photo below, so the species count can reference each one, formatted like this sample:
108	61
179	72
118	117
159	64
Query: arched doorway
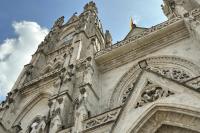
168	119
171	67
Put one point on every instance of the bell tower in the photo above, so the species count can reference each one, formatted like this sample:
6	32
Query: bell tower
63	73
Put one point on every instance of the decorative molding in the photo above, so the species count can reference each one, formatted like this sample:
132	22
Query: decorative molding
101	119
176	74
34	81
126	93
174	62
159	115
194	83
61	50
121	90
141	47
180	70
143	34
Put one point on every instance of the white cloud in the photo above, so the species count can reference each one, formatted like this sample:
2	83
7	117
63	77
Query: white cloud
16	52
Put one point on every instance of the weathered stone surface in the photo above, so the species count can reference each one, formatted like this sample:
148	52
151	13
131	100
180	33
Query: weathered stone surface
78	81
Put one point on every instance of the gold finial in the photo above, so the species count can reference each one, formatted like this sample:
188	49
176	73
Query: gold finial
132	25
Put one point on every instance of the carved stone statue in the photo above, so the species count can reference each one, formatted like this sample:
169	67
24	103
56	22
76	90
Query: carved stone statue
169	8
108	39
88	71
29	72
17	128
81	111
38	126
180	8
70	72
56	121
174	8
82	23
58	82
42	125
34	127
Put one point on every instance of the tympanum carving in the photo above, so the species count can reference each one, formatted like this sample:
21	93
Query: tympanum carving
152	93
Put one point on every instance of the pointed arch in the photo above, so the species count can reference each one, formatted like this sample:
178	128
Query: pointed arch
159	115
35	119
126	83
25	110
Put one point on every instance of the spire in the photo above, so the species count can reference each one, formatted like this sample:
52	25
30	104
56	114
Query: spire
132	25
91	6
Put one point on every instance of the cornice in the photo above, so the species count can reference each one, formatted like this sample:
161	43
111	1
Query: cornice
25	88
144	33
149	41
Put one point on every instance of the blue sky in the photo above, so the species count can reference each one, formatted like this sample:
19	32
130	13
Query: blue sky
24	23
115	14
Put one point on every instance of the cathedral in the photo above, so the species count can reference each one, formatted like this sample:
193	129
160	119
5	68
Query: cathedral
78	81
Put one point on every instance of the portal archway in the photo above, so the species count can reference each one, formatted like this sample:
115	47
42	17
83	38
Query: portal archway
174	129
171	67
161	119
39	98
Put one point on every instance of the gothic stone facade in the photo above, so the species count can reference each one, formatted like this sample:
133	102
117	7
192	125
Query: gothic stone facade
79	82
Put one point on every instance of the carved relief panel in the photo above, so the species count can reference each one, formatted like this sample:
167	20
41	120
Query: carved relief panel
151	93
176	74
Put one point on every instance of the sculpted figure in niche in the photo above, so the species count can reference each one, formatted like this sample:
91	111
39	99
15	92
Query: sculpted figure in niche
174	8
179	8
70	72
66	74
38	126
95	46
34	127
88	73
108	39
81	111
16	129
29	72
58	82
92	48
56	122
169	8
42	125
